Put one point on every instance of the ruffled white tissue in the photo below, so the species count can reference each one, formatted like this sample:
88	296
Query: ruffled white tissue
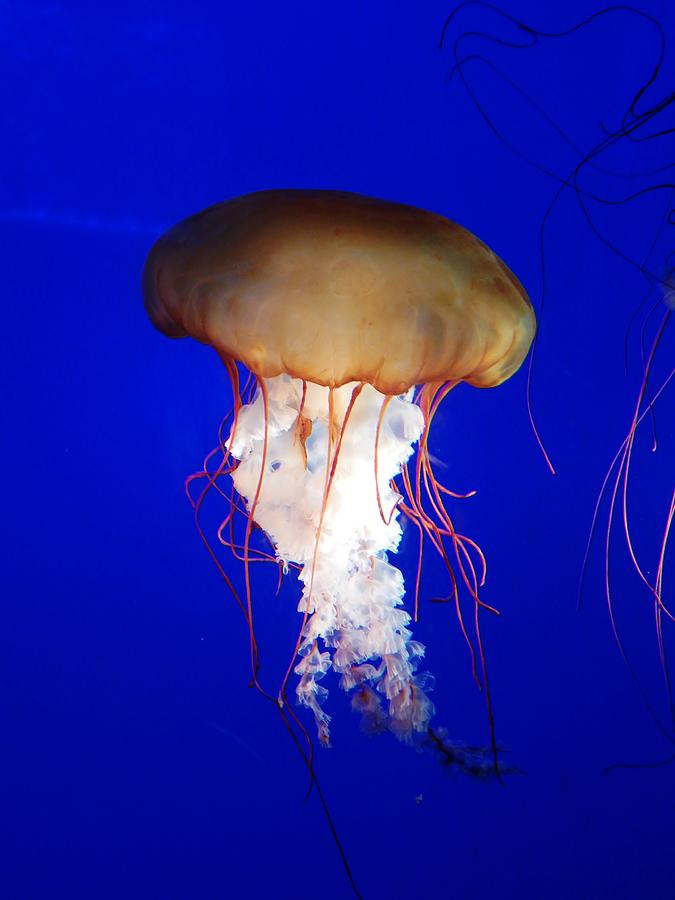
354	620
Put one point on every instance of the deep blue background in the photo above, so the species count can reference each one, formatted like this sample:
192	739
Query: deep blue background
135	760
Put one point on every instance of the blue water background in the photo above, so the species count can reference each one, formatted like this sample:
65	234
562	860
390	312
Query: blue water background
136	761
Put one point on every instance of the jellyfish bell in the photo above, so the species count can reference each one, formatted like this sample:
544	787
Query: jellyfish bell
355	316
332	287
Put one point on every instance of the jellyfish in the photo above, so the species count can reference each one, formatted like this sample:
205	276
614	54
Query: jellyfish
343	321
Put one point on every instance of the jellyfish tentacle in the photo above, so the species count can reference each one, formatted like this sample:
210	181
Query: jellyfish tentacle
659	609
232	370
628	453
255	658
383	409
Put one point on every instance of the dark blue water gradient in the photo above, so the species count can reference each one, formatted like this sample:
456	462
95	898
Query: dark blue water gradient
136	761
